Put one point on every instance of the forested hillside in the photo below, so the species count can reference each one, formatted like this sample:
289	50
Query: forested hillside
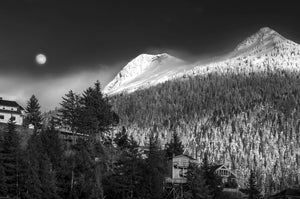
246	120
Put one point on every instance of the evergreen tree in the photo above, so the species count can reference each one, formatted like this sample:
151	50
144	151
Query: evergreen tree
155	169
69	111
96	115
32	186
85	182
10	152
33	113
212	180
3	188
253	191
50	156
125	180
196	184
175	147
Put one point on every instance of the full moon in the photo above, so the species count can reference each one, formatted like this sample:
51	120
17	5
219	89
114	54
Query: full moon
40	59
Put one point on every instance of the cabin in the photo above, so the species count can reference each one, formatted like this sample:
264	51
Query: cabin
229	179
176	180
177	168
11	109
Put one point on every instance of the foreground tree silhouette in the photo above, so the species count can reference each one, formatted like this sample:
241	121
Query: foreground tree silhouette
197	187
212	180
91	115
10	152
95	113
253	191
155	168
125	181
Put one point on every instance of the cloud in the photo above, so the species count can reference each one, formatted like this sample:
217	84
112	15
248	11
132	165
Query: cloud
49	90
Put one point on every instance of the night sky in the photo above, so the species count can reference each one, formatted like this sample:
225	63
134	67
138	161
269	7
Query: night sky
88	40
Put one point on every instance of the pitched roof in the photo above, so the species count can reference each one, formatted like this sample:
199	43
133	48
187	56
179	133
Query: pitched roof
215	167
9	103
184	155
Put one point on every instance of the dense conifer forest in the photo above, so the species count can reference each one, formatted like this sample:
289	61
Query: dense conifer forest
39	163
246	120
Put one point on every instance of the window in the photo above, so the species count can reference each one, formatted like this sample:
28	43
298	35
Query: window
13	118
1	117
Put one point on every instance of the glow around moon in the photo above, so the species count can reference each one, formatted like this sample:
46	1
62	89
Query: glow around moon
41	59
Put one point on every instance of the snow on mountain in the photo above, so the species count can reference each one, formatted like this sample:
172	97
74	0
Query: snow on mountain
266	50
145	70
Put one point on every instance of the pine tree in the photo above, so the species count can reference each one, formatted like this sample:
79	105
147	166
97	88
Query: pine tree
3	188
212	180
69	111
32	186
85	167
33	113
49	161
253	191
197	187
10	159
156	168
175	147
96	115
125	180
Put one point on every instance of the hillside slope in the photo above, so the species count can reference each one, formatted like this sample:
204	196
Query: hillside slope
243	111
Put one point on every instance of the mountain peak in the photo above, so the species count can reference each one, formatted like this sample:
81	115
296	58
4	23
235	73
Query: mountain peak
264	36
134	68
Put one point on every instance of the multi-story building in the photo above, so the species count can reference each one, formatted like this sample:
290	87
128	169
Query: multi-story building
11	109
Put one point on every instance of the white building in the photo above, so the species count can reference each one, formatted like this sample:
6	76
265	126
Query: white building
11	109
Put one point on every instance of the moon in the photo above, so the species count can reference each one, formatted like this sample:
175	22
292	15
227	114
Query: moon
41	59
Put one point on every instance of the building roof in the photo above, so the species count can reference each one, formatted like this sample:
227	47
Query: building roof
215	167
9	103
184	155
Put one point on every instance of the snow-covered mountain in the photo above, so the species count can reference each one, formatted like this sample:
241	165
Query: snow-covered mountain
264	50
145	70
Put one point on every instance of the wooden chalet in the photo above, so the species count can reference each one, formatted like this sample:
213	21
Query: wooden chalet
229	179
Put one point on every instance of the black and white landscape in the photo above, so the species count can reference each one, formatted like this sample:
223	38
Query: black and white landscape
149	100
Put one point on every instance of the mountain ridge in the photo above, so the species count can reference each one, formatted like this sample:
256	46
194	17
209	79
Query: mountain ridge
254	53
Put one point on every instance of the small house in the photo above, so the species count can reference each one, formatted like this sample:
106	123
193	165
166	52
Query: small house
229	179
178	166
11	109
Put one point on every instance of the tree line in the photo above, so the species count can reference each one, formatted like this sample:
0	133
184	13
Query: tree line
97	165
246	120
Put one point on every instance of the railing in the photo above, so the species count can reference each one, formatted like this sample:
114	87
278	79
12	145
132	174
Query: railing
175	180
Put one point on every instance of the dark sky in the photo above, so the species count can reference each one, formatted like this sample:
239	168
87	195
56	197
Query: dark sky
85	40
